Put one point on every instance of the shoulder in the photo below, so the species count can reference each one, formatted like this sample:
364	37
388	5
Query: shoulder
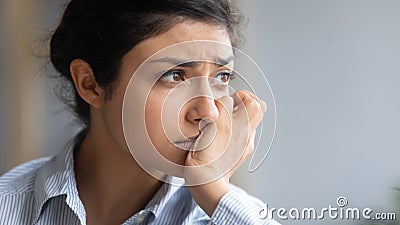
21	178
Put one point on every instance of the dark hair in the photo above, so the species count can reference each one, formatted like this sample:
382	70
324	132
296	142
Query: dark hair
102	33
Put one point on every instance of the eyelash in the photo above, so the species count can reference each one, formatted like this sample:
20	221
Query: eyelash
181	73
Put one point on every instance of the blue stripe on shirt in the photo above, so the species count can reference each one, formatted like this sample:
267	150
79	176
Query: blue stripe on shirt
44	192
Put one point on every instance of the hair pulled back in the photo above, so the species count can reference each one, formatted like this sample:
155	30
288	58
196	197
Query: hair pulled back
102	32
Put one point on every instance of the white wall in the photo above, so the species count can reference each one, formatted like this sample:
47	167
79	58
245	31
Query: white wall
334	69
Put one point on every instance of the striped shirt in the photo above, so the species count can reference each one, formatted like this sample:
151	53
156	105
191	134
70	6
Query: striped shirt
44	191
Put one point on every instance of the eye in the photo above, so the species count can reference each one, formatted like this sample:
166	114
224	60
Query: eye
173	76
225	77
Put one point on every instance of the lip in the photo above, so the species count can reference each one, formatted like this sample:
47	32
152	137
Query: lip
185	145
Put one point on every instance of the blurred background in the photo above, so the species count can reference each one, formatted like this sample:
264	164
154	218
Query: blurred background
334	67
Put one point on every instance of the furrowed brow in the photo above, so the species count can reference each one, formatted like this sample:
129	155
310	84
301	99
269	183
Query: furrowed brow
185	63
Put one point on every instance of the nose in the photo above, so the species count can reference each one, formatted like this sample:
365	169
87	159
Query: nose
201	107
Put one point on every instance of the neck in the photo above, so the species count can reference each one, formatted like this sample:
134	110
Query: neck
111	185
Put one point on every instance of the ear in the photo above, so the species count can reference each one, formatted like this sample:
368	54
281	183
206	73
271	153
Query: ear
85	83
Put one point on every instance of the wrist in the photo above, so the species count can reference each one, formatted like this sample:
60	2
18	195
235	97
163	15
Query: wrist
207	196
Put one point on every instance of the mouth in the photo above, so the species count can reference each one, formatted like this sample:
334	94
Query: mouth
185	145
188	143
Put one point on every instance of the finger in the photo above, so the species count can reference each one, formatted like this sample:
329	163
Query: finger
225	104
236	102
262	104
250	108
241	99
206	137
225	109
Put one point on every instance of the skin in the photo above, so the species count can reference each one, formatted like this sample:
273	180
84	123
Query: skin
107	174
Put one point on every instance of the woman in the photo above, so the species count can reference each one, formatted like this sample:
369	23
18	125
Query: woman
97	48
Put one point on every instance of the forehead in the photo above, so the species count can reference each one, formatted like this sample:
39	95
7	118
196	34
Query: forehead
187	40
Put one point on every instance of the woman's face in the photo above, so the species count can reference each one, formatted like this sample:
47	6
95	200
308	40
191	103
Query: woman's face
178	95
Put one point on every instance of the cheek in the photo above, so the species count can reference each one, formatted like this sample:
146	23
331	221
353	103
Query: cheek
162	126
153	117
163	114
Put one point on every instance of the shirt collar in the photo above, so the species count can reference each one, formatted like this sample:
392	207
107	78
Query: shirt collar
160	199
56	177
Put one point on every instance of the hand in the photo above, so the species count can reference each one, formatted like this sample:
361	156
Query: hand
210	168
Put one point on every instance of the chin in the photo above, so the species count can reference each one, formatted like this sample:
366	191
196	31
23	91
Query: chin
174	154
180	156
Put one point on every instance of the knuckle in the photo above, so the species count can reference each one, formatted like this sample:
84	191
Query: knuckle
263	105
252	104
249	152
251	148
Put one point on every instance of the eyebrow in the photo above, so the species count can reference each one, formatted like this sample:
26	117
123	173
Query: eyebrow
185	63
